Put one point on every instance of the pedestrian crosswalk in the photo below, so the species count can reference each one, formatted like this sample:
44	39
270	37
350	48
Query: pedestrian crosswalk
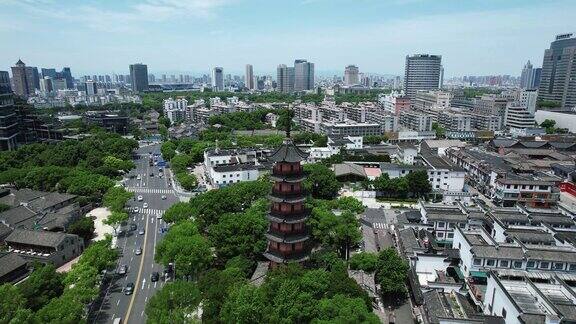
380	225
150	211
150	190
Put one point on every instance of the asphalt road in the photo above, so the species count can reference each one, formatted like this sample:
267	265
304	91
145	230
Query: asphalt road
114	303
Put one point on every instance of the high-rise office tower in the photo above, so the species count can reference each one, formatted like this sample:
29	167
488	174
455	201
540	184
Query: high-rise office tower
49	73
351	76
249	77
90	88
67	74
285	78
303	75
25	79
441	82
139	77
8	119
218	79
422	72
528	76
46	84
558	77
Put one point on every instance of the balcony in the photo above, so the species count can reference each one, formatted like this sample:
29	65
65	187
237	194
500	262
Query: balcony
285	257
278	170
288	218
289	178
289	193
287	237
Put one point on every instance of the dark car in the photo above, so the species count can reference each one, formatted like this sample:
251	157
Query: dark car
133	227
155	276
152	174
129	289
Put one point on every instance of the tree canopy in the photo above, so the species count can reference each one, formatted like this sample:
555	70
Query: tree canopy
321	182
174	303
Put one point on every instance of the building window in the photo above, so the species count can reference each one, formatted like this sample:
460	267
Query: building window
572	267
462	225
477	262
440	234
517	264
451	225
490	263
558	266
544	265
504	312
223	176
504	264
450	235
441	224
530	264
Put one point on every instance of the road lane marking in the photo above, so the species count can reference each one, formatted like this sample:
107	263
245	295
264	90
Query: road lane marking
127	317
118	303
155	282
143	283
142	314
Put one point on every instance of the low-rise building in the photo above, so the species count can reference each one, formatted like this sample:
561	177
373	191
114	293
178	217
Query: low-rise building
55	248
416	121
227	174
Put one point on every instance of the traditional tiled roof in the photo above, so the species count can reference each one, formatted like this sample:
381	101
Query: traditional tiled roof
288	152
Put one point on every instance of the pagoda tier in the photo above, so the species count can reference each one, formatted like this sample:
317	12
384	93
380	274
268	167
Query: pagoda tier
287	234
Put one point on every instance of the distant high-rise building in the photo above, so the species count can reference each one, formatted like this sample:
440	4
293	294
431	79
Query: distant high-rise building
67	74
8	119
59	84
218	79
139	77
46	84
422	72
441	82
528	77
303	75
557	82
285	79
351	76
25	79
90	88
249	77
49	73
151	78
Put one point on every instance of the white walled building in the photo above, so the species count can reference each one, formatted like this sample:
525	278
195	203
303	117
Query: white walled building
176	110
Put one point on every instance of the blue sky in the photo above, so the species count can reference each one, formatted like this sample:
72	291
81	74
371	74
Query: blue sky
475	37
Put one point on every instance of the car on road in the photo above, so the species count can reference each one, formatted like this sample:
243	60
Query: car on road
133	227
138	177
138	251
151	174
129	289
141	232
160	175
145	205
140	198
135	210
123	270
155	276
159	216
163	197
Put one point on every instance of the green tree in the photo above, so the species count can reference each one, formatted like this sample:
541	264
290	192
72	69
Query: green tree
440	131
168	150
115	198
187	181
374	139
116	218
321	181
177	212
189	251
285	120
41	286
392	273
176	302
549	124
418	183
364	261
351	204
84	227
63	310
245	304
12	304
341	309
240	233
216	286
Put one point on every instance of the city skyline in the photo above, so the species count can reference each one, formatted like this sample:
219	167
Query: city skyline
497	37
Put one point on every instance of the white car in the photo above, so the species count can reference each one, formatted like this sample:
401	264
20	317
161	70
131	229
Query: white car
138	177
159	216
135	209
145	205
163	197
140	198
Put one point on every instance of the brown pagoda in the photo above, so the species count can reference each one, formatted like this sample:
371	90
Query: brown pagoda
287	234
